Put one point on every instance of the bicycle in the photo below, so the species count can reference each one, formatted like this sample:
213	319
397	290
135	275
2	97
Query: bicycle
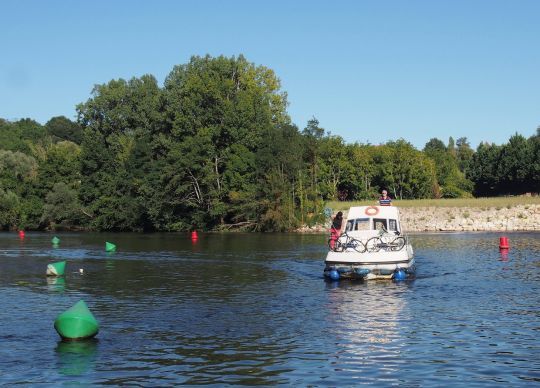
345	241
386	241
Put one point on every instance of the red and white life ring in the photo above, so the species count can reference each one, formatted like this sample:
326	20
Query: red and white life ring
372	210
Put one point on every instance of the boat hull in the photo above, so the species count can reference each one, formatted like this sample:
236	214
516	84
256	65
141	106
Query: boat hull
372	265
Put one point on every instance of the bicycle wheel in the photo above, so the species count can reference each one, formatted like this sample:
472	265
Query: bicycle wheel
398	243
340	246
359	246
373	244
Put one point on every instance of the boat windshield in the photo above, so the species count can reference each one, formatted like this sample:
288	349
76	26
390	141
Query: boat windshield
357	224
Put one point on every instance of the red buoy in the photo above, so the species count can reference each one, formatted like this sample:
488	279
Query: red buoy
194	235
503	243
21	233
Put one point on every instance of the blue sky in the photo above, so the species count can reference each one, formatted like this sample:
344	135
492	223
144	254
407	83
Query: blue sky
369	71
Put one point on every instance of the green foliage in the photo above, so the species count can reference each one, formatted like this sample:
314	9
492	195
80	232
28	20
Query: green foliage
16	167
406	172
451	181
61	128
508	169
20	135
9	209
464	154
214	148
514	169
62	208
535	165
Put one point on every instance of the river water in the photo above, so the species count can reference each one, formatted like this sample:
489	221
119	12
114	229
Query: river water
253	309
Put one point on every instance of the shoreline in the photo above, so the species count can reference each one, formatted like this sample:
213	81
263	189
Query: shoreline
523	218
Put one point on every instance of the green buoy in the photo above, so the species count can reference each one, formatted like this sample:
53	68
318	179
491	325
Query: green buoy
110	247
55	240
76	323
56	269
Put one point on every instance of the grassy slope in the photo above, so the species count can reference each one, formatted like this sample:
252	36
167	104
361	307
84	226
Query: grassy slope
495	202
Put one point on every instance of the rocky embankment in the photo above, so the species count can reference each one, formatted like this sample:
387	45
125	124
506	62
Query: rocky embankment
416	219
521	217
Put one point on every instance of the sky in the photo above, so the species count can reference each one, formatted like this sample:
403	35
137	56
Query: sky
369	71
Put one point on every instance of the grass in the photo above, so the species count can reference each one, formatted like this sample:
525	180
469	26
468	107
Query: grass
495	202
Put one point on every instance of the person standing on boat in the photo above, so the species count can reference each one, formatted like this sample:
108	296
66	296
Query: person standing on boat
335	230
384	199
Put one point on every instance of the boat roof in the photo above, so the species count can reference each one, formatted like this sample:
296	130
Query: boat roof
382	212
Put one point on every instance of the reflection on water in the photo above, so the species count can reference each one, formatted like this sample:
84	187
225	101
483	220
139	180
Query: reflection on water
247	309
57	284
76	357
373	317
368	319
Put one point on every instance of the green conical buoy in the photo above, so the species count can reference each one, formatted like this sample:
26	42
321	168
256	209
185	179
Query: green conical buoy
55	240
76	323
110	247
56	269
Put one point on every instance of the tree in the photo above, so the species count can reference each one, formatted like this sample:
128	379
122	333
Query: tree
21	135
405	171
451	180
514	168
9	209
219	108
62	128
464	155
120	116
535	166
62	208
434	145
359	171
332	165
451	147
483	169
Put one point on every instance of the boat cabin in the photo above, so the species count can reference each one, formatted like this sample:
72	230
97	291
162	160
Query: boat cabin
362	219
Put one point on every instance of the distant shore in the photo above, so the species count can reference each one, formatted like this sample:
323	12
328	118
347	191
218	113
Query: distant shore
520	217
524	217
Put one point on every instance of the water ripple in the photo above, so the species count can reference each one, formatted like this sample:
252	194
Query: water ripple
254	310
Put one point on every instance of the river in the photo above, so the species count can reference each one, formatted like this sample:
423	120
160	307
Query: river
253	309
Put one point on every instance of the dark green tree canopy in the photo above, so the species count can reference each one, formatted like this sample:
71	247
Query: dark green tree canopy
214	148
62	128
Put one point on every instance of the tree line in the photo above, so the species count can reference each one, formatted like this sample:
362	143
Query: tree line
215	149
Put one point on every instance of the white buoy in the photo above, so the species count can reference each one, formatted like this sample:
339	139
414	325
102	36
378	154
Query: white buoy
81	271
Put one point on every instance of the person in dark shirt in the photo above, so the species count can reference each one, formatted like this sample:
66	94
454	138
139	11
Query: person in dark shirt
384	199
335	230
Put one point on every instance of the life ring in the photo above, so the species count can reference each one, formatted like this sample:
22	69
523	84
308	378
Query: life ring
372	210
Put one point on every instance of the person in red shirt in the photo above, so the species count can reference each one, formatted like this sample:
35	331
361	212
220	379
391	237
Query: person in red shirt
335	230
384	199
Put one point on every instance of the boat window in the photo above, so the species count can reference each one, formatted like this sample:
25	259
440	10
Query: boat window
357	224
379	223
361	224
392	225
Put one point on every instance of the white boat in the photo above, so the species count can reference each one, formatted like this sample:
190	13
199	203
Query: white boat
372	246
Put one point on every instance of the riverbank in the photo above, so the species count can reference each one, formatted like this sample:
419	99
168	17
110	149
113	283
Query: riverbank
516	218
523	217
